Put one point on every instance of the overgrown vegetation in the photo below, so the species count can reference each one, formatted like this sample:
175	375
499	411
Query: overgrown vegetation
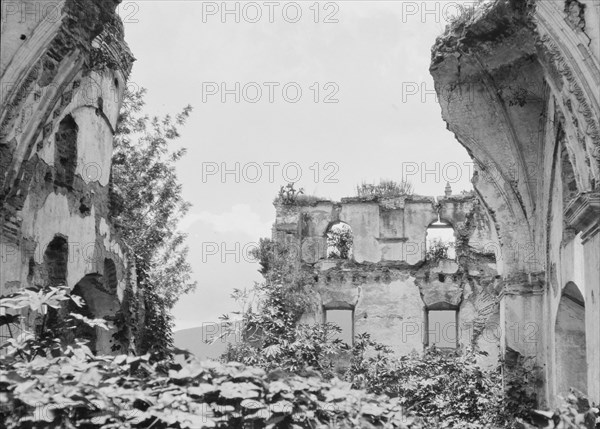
269	316
437	388
146	207
438	249
385	189
446	389
46	384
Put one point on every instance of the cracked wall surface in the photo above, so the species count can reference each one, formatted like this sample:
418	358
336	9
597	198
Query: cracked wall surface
389	282
518	85
64	66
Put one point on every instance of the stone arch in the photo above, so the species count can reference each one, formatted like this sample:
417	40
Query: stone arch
65	151
56	259
340	240
100	304
570	341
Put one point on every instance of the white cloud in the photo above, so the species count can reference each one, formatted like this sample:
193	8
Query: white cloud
240	218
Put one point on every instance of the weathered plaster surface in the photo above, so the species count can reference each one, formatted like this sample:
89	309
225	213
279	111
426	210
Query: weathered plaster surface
518	85
61	60
388	282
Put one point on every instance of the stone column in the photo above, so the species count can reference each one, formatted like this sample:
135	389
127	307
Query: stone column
583	214
521	315
522	329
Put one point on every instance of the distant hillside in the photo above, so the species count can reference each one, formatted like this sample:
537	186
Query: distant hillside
194	341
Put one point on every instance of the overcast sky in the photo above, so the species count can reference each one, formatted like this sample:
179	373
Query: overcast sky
328	104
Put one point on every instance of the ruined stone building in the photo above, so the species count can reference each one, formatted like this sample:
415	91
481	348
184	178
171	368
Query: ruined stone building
63	67
519	85
390	284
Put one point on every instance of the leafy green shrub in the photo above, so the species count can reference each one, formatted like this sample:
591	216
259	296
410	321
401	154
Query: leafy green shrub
54	324
521	375
447	389
80	390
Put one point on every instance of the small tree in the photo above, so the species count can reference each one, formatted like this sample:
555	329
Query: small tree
147	205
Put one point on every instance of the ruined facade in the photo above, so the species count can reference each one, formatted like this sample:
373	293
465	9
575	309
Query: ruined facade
518	84
390	284
63	67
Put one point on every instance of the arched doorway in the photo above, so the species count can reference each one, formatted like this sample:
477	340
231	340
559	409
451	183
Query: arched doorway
56	260
100	304
570	345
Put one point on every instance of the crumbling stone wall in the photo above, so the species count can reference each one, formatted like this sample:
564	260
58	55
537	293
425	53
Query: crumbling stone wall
389	282
64	66
518	86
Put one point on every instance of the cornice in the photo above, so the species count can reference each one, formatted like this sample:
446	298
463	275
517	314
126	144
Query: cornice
583	214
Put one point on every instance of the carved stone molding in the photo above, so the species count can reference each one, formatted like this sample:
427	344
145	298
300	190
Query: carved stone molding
591	128
583	214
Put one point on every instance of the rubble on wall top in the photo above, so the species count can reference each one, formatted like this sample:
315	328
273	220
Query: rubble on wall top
489	21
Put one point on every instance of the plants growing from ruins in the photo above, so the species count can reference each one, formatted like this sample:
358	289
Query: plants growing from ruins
146	207
48	383
288	195
385	189
521	377
441	388
444	389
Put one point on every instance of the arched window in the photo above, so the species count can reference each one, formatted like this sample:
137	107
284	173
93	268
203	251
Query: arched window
570	343
100	304
65	152
440	241
339	241
56	258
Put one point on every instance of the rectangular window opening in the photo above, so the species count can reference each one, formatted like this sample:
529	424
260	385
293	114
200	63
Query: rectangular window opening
345	320
442	329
